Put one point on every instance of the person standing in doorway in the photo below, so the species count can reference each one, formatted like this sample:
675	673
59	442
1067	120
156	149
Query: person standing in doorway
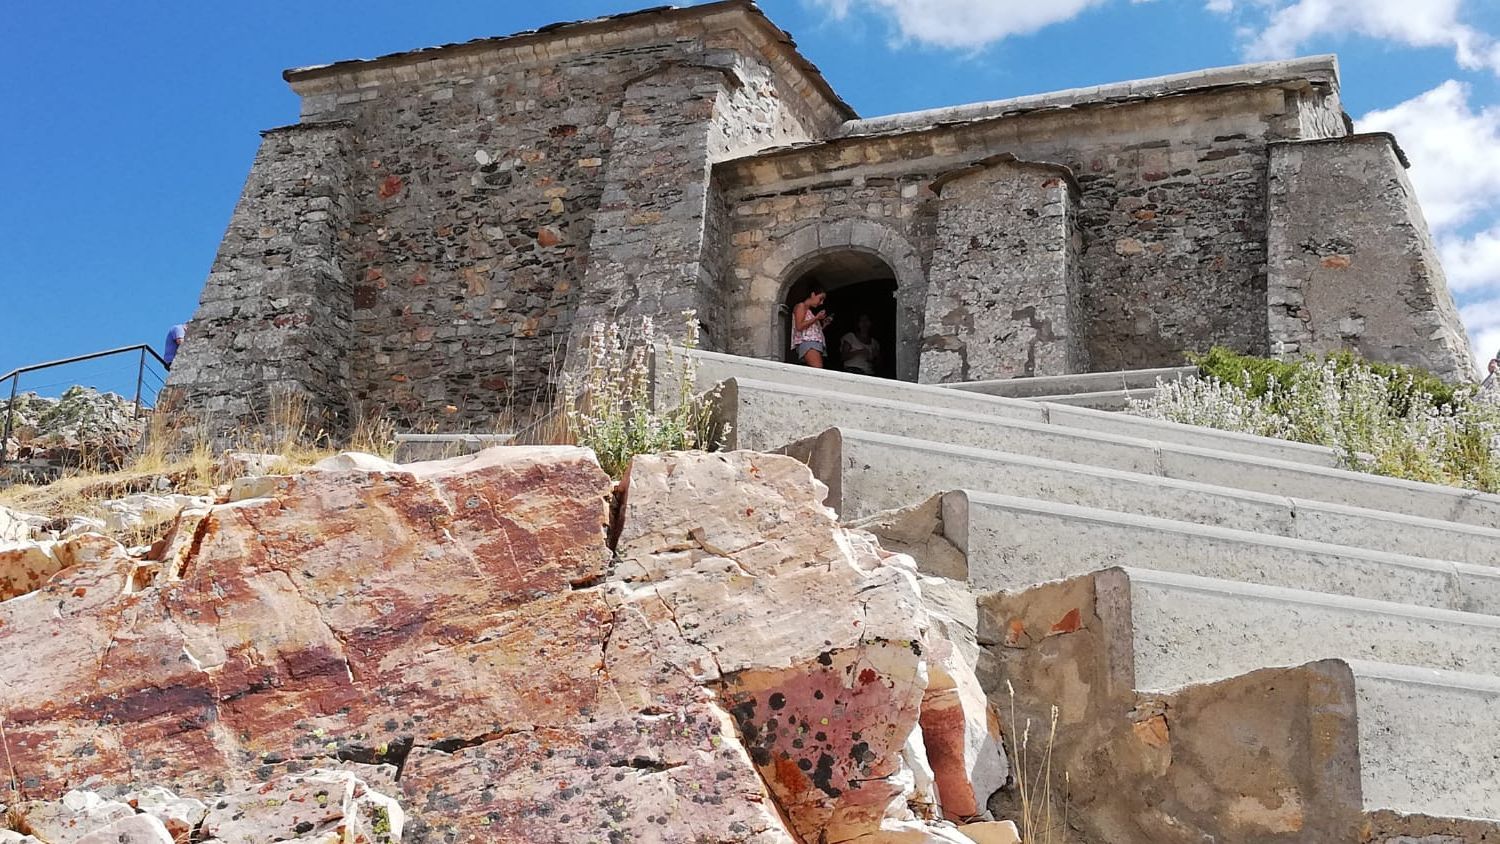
175	336
859	348
808	342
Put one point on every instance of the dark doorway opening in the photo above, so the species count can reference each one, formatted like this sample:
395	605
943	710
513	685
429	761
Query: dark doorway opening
857	283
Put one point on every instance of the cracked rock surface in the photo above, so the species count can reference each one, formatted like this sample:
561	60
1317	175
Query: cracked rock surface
745	671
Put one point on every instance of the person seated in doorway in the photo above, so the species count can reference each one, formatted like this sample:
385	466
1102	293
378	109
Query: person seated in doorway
175	335
859	348
808	342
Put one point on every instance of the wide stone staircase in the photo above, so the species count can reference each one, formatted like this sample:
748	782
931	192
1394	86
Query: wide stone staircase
1243	640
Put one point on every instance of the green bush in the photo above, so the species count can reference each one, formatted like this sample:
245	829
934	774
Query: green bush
1258	374
1390	420
609	404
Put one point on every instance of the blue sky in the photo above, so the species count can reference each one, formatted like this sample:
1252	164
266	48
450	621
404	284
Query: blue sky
126	129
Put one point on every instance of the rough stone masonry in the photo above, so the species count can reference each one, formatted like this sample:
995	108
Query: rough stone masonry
442	225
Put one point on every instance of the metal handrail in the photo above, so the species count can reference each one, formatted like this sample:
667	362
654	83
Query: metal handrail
14	376
141	347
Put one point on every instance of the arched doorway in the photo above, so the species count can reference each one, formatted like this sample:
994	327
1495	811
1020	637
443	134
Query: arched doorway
857	283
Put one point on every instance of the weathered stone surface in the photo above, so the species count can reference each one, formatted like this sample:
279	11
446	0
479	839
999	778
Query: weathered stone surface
1352	264
180	815
1005	300
135	829
16	526
748	662
992	832
307	805
817	638
347	613
25	566
144	509
69	820
243	464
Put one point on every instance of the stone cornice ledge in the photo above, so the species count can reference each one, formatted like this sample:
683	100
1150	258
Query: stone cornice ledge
1303	72
1360	137
564	40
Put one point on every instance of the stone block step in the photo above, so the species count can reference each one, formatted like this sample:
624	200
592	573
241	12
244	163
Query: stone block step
713	368
1011	543
1340	732
1111	400
867	472
1043	387
1427	743
1190	629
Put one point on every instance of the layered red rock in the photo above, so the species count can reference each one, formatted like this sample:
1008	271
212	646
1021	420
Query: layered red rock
464	620
818	638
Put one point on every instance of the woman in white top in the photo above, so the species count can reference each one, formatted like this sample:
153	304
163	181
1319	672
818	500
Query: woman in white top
808	343
859	348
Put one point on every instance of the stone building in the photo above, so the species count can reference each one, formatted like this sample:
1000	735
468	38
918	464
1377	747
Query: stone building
442	224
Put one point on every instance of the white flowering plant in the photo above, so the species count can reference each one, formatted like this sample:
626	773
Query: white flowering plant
1380	419
609	402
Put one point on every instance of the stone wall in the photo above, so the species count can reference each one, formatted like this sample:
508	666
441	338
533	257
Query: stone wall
272	326
501	195
775	237
1351	262
1003	300
1172	206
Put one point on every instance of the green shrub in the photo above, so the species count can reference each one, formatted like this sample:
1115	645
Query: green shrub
1257	374
609	405
1390	420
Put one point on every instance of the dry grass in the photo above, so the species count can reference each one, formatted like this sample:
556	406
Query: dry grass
159	467
1033	775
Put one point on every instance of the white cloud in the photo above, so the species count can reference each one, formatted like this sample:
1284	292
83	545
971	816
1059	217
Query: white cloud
1454	148
1482	319
1282	27
965	24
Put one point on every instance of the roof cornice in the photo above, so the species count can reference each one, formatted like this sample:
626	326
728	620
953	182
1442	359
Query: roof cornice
561	40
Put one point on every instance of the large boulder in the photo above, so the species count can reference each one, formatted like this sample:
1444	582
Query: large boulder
746	672
819	642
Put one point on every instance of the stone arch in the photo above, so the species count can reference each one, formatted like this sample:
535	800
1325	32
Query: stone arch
801	248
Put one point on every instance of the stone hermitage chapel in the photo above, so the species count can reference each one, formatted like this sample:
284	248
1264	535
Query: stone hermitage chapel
442	225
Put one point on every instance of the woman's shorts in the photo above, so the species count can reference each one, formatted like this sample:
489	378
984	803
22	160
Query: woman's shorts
810	346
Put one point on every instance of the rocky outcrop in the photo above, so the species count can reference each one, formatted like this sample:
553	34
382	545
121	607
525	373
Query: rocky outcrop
746	671
82	427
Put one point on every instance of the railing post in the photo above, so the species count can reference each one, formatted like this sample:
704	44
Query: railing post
10	409
140	374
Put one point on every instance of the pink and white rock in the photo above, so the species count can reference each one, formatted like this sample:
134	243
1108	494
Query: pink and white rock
311	805
69	820
464	619
136	829
816	636
180	815
26	566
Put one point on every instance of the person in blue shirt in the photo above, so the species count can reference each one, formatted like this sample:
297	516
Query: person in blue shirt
174	339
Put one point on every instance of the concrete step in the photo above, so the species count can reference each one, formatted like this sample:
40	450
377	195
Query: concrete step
1398	694
713	367
1111	400
1011	543
869	471
1043	387
1427	745
1191	629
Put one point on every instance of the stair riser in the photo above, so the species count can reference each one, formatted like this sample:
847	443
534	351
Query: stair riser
1012	548
713	368
767	416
